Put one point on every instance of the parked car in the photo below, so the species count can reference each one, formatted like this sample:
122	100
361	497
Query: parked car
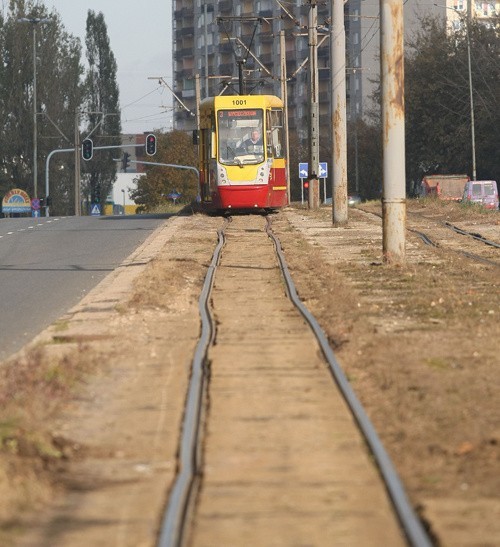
484	192
353	199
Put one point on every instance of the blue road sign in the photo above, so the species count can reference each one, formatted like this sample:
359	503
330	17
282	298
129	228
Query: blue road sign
304	170
95	210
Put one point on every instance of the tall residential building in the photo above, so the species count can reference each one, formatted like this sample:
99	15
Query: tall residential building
214	39
210	36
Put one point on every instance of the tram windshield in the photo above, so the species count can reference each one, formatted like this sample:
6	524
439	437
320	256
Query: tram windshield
241	135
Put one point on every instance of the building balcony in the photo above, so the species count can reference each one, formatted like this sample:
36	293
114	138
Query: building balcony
187	52
225	47
266	38
324	74
266	58
226	69
225	6
183	13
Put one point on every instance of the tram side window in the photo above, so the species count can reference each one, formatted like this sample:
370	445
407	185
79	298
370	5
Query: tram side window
275	137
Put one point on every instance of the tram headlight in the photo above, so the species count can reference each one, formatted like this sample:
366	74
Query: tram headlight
221	175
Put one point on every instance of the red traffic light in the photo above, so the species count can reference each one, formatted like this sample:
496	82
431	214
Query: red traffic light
150	145
306	184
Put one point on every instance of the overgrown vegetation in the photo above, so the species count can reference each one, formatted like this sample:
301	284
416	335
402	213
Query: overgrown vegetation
438	111
33	389
63	88
155	190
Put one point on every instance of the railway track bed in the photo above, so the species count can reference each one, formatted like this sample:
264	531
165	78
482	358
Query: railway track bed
283	459
398	333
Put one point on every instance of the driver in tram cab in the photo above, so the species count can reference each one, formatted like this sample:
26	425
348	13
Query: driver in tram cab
254	143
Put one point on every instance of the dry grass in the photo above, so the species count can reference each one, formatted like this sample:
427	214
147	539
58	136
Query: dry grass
33	388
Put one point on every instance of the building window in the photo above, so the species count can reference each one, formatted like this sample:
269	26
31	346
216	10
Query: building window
188	84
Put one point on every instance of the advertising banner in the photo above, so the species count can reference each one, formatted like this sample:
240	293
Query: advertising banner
16	201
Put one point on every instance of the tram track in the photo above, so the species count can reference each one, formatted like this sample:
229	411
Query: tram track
440	240
185	494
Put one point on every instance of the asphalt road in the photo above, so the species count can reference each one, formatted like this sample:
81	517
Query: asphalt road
48	264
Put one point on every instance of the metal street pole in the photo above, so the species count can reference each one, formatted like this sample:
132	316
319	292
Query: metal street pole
472	123
35	125
313	107
339	123
393	130
34	21
78	204
284	97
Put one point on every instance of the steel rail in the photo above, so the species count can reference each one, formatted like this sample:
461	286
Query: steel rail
428	241
477	237
410	523
424	237
183	491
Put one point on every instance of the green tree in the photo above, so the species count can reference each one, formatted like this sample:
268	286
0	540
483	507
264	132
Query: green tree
102	107
174	147
438	114
364	154
58	95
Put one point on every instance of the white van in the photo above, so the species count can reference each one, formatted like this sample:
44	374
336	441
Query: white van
484	192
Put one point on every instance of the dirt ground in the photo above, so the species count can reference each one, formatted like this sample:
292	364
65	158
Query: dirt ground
90	413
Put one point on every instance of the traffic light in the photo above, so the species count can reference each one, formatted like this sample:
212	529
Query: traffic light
125	161
87	149
151	145
305	191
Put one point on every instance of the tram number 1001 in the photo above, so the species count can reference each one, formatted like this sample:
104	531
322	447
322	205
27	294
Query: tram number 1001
239	102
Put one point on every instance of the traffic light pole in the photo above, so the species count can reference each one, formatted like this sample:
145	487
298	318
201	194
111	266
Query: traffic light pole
78	204
76	150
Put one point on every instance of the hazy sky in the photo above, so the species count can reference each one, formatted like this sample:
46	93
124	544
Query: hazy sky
140	36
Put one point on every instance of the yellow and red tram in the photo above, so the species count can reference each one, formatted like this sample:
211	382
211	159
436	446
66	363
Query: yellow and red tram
242	155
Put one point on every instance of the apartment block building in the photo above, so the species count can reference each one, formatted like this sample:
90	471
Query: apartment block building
215	39
209	37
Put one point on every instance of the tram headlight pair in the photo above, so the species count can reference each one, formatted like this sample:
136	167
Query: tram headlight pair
222	175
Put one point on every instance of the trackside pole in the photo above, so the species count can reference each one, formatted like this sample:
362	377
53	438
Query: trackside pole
313	107
393	130
339	124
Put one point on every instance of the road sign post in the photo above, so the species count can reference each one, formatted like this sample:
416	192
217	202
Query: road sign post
303	174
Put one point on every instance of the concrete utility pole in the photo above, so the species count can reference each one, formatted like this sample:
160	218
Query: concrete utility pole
284	97
471	96
313	107
339	123
393	130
